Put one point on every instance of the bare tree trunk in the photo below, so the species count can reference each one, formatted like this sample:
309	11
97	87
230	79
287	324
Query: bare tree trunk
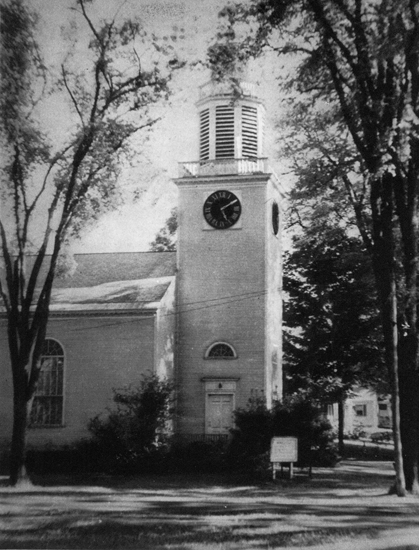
389	311
408	347
24	362
18	473
25	346
341	425
400	481
409	414
385	275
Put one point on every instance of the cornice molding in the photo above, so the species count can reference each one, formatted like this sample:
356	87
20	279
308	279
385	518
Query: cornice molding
251	180
95	314
220	378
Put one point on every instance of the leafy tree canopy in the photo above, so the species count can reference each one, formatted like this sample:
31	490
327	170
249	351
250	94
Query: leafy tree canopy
54	181
165	239
332	342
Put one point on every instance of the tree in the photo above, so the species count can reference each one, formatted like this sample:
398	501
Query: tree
51	188
165	239
361	58
332	344
329	265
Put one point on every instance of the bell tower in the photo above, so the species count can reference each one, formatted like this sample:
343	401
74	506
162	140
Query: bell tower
229	265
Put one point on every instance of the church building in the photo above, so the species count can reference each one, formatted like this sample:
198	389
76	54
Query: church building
207	316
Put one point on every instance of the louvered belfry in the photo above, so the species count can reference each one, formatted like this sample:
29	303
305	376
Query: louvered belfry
231	125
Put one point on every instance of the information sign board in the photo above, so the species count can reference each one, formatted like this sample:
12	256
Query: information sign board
284	449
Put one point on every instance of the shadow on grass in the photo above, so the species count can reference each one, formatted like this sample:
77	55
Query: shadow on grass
107	534
192	512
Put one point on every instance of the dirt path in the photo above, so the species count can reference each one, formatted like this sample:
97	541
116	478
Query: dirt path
350	500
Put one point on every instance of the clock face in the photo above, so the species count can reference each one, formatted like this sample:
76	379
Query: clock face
222	209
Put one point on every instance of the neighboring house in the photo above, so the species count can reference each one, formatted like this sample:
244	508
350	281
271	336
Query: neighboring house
363	411
208	317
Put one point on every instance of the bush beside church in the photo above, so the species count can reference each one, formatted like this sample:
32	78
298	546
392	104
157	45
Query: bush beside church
133	437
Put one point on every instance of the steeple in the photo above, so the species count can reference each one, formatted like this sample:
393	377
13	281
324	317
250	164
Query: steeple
229	265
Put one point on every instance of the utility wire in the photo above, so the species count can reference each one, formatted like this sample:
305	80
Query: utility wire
225	300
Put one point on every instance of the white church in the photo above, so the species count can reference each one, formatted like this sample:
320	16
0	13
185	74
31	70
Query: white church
207	316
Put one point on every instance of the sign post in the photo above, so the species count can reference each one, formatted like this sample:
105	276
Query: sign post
283	450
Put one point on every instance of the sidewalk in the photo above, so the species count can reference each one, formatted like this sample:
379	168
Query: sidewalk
347	505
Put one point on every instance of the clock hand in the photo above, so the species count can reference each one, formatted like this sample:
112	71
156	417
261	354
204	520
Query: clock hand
224	214
227	205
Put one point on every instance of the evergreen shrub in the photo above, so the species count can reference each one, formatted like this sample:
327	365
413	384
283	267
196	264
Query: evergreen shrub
295	416
301	417
135	435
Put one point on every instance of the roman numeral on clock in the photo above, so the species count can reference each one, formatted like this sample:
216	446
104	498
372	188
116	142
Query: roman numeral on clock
222	209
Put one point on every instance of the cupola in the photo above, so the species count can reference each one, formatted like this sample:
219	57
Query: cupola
231	129
231	122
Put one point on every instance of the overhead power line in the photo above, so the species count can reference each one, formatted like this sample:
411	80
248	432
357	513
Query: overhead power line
178	310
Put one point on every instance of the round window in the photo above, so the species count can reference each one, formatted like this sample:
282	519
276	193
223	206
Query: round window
275	218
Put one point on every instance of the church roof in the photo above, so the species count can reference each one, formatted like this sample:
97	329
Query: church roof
143	294
101	268
113	281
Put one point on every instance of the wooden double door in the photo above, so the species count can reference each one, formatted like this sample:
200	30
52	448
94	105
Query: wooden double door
219	413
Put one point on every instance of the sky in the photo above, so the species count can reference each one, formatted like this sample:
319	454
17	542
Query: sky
175	138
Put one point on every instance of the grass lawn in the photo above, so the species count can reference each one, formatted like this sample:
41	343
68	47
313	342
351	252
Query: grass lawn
338	508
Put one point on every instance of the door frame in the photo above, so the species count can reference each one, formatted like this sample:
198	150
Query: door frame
218	386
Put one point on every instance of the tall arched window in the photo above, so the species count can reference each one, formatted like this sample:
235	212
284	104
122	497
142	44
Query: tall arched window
47	407
220	350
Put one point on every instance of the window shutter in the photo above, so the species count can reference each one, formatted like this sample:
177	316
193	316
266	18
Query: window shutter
249	131
204	134
224	132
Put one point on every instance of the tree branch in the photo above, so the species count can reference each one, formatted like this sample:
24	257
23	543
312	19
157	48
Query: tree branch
359	212
70	93
89	22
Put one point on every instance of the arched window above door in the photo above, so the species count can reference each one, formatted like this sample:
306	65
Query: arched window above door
221	350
